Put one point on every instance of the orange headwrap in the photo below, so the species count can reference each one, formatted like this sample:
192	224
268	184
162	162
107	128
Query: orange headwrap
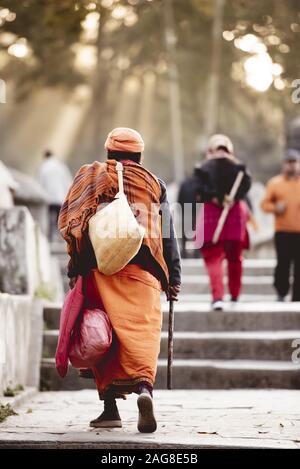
124	139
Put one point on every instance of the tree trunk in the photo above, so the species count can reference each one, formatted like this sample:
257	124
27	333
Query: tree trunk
174	92
100	83
214	79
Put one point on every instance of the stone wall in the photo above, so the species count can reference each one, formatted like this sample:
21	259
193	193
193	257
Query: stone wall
26	271
30	194
17	251
21	332
25	258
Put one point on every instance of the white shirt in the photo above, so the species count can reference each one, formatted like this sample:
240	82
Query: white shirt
55	178
7	183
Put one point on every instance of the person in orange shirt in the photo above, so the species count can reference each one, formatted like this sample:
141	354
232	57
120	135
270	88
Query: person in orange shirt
282	198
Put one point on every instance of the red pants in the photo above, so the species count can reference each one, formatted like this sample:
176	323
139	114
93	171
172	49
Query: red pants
214	255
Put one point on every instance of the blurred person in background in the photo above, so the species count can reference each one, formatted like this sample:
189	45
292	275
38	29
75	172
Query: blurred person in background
188	197
55	178
217	176
8	186
282	198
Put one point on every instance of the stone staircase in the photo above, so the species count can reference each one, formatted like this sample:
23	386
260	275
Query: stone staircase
246	346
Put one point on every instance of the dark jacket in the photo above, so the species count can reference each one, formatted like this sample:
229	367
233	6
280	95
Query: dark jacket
188	194
170	245
216	178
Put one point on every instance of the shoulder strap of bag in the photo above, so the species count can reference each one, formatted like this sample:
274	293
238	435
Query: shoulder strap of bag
119	169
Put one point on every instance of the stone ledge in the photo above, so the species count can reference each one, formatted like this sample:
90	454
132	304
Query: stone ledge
20	399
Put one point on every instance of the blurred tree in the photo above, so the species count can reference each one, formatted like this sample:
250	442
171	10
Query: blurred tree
50	29
128	41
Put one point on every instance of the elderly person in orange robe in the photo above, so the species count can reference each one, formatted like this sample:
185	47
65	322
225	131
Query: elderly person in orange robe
131	297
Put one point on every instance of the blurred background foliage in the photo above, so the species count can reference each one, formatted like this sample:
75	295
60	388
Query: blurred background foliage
231	63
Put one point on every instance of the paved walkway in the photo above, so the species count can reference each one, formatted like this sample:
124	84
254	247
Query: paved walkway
186	419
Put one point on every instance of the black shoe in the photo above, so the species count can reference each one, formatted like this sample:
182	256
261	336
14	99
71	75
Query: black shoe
280	299
110	417
234	299
146	421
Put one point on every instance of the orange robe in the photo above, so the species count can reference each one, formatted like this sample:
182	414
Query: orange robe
131	299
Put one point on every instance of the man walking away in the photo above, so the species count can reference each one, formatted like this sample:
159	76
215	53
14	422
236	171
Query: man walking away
282	198
188	198
55	178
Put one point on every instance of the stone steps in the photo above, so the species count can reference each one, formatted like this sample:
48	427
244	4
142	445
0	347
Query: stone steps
197	284
258	274
248	345
197	317
197	288
206	298
268	345
255	267
226	374
196	374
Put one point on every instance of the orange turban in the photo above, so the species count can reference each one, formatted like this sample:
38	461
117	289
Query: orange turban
124	139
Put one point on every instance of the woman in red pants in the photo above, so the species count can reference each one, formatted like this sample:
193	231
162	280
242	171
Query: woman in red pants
218	174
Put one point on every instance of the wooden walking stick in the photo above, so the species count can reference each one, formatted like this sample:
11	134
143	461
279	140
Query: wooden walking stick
170	344
224	214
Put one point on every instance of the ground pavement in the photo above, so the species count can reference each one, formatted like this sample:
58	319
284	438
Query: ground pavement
186	419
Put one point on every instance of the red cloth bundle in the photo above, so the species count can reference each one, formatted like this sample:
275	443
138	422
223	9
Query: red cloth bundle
85	331
91	338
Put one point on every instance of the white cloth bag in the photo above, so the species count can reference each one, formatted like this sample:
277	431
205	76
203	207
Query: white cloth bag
115	234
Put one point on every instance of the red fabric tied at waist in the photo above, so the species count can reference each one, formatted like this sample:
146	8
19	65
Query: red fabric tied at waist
72	306
235	227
